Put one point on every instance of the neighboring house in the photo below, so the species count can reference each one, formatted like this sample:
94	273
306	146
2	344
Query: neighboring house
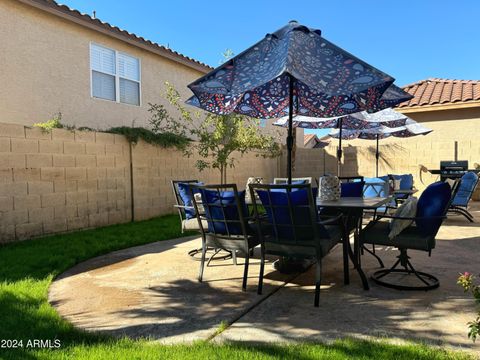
312	141
452	109
55	59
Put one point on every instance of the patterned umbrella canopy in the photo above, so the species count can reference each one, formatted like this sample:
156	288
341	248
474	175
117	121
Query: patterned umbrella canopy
294	71
359	121
411	128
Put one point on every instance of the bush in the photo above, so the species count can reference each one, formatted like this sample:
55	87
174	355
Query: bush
166	139
465	280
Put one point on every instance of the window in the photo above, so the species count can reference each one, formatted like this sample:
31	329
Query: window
115	75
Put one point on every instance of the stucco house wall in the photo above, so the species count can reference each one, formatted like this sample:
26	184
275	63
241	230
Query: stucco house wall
45	62
45	69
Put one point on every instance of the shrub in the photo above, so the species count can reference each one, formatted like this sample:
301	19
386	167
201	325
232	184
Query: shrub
465	280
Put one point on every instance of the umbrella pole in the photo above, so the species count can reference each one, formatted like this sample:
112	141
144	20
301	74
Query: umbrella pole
290	131
377	155
339	150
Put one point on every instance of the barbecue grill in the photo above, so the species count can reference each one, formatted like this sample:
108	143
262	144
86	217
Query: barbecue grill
453	169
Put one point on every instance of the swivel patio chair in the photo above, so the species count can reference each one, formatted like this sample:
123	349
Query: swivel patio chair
290	227
186	211
227	227
184	204
464	195
420	235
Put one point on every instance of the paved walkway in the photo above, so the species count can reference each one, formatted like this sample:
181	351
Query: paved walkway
152	291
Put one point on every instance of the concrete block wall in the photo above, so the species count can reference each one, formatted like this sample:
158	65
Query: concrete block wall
61	181
71	180
154	168
396	157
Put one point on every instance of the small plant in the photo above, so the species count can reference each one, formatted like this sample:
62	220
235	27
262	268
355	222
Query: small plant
219	138
165	139
54	123
465	280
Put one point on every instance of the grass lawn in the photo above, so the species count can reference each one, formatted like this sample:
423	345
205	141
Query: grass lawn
27	269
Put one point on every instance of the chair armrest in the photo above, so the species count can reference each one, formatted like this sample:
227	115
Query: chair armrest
184	207
410	218
331	220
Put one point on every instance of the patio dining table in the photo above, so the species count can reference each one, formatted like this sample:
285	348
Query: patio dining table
353	208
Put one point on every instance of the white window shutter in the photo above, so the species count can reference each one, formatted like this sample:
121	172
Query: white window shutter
129	92
102	59
103	86
128	67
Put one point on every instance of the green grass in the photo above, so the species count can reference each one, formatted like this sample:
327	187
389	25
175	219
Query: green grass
27	269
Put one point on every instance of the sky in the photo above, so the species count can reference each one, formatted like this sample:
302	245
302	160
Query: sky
410	40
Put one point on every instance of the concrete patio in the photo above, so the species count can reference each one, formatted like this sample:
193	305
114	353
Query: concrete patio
152	291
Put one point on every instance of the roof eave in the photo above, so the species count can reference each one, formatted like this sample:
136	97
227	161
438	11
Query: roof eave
438	107
137	43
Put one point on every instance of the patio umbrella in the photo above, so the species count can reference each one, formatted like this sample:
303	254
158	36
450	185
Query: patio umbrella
411	128
294	71
387	118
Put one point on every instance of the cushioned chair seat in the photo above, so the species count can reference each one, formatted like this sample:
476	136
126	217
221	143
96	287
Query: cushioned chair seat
326	244
192	224
230	242
410	238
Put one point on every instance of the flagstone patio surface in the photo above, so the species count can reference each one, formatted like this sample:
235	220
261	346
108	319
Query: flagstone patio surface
152	291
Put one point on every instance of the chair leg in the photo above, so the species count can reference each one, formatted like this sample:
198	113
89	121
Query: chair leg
202	261
318	278
245	271
372	252
262	268
430	282
346	267
234	257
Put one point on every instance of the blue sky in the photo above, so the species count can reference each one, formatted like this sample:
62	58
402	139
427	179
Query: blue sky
408	39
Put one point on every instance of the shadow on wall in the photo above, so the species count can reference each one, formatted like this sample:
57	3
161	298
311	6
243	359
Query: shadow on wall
318	162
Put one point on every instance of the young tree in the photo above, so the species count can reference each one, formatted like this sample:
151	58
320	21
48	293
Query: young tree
217	137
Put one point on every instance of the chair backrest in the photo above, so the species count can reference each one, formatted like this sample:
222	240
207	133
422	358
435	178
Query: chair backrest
178	198
295	181
406	180
466	188
432	208
225	211
375	187
291	215
352	189
350	179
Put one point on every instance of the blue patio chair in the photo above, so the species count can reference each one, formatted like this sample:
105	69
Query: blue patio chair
290	227
464	195
420	235
226	215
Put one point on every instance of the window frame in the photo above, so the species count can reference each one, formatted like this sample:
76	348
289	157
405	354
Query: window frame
116	75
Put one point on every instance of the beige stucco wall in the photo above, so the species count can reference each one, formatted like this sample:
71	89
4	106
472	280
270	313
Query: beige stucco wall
45	62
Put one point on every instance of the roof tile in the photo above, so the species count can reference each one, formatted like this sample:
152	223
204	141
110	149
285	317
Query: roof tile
116	30
435	91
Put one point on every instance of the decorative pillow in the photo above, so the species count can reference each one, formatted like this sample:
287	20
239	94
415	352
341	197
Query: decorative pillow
352	189
301	213
222	206
186	196
432	203
407	209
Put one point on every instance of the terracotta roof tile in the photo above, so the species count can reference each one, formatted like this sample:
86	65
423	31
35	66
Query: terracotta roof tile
307	138
115	30
436	91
